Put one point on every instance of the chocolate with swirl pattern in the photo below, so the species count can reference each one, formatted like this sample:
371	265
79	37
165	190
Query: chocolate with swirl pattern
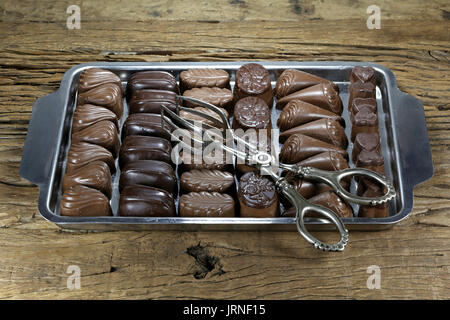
81	201
257	196
208	77
103	133
86	115
94	175
94	77
206	180
220	97
292	80
206	204
108	95
253	79
82	153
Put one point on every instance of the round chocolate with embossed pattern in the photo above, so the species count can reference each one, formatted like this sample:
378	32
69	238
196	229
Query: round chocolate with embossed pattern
251	113
253	79
257	196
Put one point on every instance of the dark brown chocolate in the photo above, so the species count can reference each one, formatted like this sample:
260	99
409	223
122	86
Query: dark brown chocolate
360	103
143	201
108	95
299	147
257	196
366	141
86	115
94	77
94	175
364	90
326	130
82	153
198	78
102	133
144	148
190	116
151	173
220	97
363	74
372	160
365	121
206	180
298	112
208	161
262	145
251	113
150	101
206	204
292	80
81	201
380	211
322	95
328	160
144	124
157	80
253	79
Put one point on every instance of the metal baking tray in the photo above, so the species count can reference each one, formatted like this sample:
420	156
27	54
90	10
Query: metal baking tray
402	127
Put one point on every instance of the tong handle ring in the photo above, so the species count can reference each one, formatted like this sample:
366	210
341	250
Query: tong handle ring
302	207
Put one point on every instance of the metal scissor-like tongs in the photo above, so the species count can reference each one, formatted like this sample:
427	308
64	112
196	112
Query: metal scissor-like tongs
264	161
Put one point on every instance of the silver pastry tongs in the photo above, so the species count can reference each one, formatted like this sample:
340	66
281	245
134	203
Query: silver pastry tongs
264	161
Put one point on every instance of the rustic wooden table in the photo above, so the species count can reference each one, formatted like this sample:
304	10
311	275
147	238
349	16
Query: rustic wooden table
37	48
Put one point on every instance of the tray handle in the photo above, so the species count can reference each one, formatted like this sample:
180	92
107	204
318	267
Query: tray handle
40	144
413	144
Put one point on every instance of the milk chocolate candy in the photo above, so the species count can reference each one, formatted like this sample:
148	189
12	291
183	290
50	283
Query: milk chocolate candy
292	80
361	90
94	175
86	115
365	121
94	77
251	113
380	211
220	97
328	200
253	79
150	101
198	78
206	204
362	74
326	130
103	133
372	160
81	201
144	124
298	112
262	144
206	180
257	196
151	173
328	160
193	117
360	103
322	95
366	141
144	148
299	147
108	95
143	201
82	153
158	80
207	161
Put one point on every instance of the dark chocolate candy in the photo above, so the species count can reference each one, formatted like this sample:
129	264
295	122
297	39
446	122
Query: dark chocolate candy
372	160
298	112
299	147
108	95
253	79
220	97
144	124
144	201
365	121
157	80
329	200
366	141
82	153
86	115
362	74
95	77
151	173
292	80
326	130
94	175
207	161
81	201
144	148
102	133
206	180
251	113
360	103
322	95
191	116
380	211
198	78
257	196
263	143
361	90
206	204
150	101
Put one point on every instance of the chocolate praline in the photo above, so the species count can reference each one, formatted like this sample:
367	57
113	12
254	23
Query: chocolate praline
251	113
206	204
81	201
208	77
206	180
220	97
144	124
151	100
257	196
143	201
94	175
94	77
108	95
102	133
82	153
253	79
86	115
292	80
158	80
144	148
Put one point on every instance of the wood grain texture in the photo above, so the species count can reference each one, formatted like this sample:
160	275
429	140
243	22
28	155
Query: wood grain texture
37	49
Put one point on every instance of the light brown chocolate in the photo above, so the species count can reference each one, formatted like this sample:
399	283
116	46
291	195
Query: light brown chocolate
292	80
208	77
102	133
86	115
81	201
94	77
107	95
220	97
206	180
94	175
82	153
206	204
